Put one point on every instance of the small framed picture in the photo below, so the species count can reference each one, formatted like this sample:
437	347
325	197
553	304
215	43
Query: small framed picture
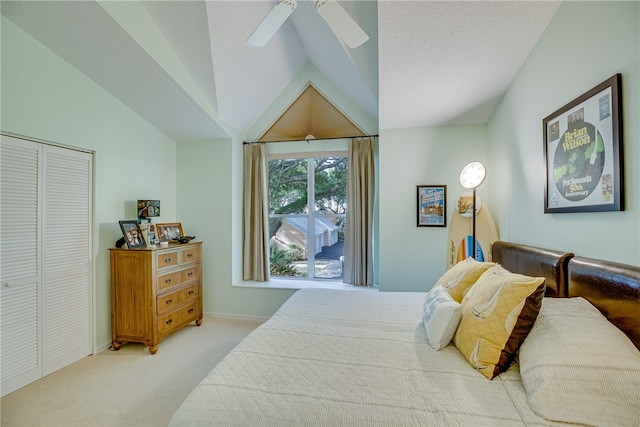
149	232
169	232
148	208
432	206
132	234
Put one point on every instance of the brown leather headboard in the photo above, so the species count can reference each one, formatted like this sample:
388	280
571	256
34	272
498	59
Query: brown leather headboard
612	287
537	262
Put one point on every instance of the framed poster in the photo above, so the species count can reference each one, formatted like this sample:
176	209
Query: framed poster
583	152
432	206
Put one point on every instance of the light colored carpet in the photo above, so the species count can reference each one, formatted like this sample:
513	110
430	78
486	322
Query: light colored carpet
129	387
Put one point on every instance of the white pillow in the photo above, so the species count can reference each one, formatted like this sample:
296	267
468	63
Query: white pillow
577	367
441	317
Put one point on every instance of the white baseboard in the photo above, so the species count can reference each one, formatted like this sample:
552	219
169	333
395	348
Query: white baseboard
227	316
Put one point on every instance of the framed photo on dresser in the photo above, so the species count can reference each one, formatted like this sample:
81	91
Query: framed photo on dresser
169	232
133	236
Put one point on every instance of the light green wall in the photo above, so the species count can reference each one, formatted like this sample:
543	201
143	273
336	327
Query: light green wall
210	187
44	97
210	207
585	44
413	258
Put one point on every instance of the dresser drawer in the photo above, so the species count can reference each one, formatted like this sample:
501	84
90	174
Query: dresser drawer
168	322
176	319
190	255
191	274
191	311
191	292
170	279
166	259
171	300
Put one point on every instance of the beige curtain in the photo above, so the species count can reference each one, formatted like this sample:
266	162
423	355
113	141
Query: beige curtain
358	246
256	245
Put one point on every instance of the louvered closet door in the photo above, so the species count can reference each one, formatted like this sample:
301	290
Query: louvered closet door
66	257
19	263
45	260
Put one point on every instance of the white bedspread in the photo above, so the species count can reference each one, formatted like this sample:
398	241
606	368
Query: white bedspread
351	358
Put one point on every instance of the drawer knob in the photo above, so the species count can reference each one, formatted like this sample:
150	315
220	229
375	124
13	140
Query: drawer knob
189	255
167	260
190	310
167	281
190	292
169	301
190	273
168	322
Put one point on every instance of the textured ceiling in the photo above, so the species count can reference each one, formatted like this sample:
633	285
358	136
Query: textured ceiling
185	67
450	62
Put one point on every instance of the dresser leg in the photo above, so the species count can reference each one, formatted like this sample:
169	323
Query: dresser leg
198	322
153	349
116	345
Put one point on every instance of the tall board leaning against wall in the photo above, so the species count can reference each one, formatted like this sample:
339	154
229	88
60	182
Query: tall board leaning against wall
460	238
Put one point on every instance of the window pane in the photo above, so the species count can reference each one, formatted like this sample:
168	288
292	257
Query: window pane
288	246
328	262
288	186
330	185
330	190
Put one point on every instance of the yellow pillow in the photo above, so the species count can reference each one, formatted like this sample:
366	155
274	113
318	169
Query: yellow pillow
461	276
497	315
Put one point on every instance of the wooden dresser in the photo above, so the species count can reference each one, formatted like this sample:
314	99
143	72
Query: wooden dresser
154	292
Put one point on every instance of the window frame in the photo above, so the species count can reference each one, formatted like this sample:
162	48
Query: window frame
303	150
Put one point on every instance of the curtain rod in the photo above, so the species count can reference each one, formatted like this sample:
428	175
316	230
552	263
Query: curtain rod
309	140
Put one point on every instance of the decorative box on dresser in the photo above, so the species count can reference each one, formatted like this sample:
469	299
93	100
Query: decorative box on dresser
154	292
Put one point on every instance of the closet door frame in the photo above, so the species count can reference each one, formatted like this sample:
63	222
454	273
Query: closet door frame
53	355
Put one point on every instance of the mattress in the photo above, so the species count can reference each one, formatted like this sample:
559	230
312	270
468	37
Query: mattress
351	358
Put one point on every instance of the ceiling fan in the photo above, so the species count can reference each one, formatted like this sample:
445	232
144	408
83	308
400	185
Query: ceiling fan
340	22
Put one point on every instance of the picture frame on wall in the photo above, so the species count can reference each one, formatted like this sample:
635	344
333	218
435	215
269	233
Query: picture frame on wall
132	234
582	143
169	231
432	206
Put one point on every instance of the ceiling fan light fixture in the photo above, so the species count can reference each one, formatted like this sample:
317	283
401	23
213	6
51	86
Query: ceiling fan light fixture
341	23
272	23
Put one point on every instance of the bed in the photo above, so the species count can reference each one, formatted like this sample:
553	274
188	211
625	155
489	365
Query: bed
361	358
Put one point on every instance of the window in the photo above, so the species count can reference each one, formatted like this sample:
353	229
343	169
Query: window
307	206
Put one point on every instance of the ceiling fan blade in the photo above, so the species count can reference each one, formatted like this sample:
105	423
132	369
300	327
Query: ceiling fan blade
271	23
341	23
